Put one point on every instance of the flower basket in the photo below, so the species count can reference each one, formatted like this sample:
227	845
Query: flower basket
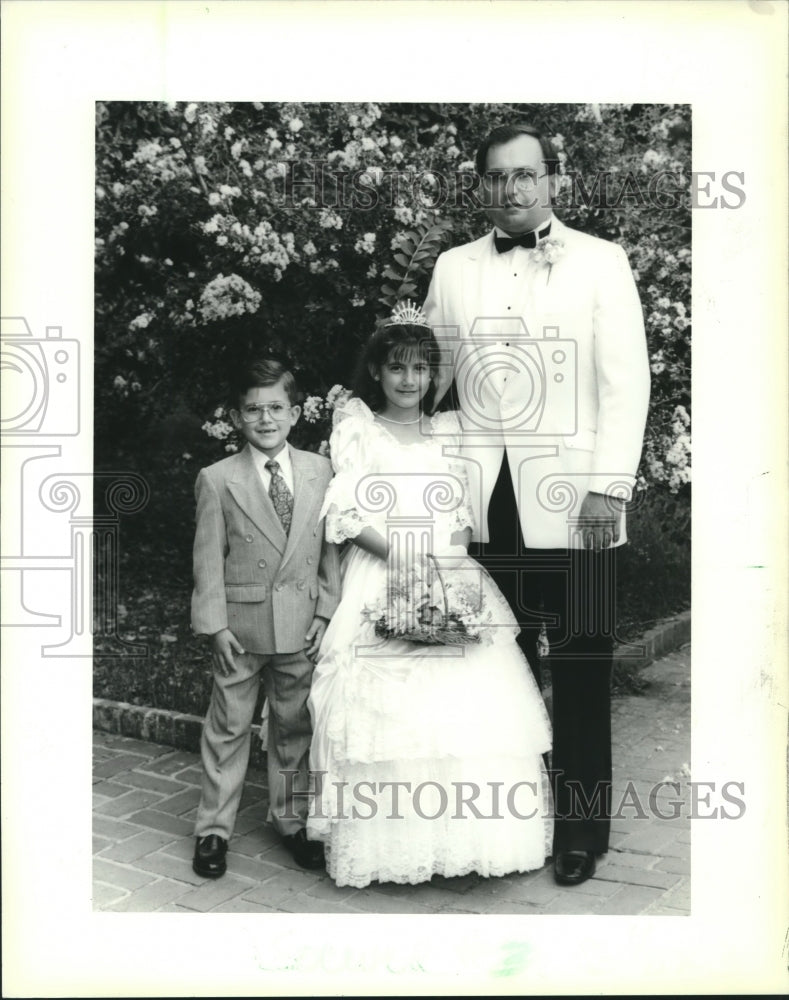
429	624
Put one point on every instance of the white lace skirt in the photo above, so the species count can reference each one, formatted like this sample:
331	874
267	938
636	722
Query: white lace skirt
427	761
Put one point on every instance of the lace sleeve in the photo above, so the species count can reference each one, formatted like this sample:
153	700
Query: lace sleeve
349	455
446	427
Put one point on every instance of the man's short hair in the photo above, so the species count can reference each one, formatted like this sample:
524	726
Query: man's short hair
506	133
261	372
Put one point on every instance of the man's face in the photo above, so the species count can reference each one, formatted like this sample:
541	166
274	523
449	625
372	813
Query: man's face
516	189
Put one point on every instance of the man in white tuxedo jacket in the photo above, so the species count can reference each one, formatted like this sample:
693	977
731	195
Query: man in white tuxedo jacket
542	331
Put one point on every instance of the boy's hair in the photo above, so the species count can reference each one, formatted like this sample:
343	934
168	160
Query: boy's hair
398	342
259	373
506	133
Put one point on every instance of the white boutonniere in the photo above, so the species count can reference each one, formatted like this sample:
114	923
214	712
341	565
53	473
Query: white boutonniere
549	250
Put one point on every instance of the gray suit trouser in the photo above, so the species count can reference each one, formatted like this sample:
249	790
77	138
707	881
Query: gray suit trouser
225	742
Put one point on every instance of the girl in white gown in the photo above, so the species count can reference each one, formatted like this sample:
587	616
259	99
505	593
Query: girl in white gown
427	758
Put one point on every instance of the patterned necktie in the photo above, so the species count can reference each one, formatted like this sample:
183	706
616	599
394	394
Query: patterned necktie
280	495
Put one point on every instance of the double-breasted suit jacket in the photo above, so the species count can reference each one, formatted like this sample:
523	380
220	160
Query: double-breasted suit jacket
559	377
249	576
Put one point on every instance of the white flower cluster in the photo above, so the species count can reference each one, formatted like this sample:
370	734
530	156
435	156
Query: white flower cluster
665	125
372	176
652	160
261	245
668	453
224	297
147	212
329	220
370	117
366	244
269	247
656	363
336	396
219	429
141	322
312	410
225	192
165	164
404	215
123	386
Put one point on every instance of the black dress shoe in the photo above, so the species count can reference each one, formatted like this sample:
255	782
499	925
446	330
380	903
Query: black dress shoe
307	853
209	860
573	867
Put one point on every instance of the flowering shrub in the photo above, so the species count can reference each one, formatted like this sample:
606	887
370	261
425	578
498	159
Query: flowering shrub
289	228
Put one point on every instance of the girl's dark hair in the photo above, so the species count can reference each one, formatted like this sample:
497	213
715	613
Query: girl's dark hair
395	342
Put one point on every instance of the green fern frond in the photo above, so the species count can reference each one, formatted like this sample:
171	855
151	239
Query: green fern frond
415	257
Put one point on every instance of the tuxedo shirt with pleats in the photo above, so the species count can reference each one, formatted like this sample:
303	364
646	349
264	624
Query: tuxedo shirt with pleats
505	288
509	275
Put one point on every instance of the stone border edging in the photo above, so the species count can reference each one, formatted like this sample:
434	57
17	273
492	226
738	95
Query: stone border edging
655	642
176	729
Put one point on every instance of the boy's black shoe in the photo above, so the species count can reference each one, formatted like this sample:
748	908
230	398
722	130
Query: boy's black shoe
209	860
307	853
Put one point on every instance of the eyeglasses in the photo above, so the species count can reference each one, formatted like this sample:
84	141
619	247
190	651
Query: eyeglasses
521	180
254	411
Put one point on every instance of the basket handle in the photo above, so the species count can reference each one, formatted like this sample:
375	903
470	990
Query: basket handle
443	585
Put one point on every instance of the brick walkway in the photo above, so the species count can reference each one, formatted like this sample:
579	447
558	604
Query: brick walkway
145	797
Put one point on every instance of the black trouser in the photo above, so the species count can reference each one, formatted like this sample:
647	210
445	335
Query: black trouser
572	592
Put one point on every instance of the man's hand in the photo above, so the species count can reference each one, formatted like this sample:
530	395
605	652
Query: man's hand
600	520
314	637
224	645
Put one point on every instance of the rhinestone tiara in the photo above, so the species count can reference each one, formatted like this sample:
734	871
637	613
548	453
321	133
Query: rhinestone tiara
407	314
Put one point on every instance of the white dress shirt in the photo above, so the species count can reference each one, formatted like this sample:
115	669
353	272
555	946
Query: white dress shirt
504	288
285	466
506	278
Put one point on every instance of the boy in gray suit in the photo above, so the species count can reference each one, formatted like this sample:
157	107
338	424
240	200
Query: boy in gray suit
265	585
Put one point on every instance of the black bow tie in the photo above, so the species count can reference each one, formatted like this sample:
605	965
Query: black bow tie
529	240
